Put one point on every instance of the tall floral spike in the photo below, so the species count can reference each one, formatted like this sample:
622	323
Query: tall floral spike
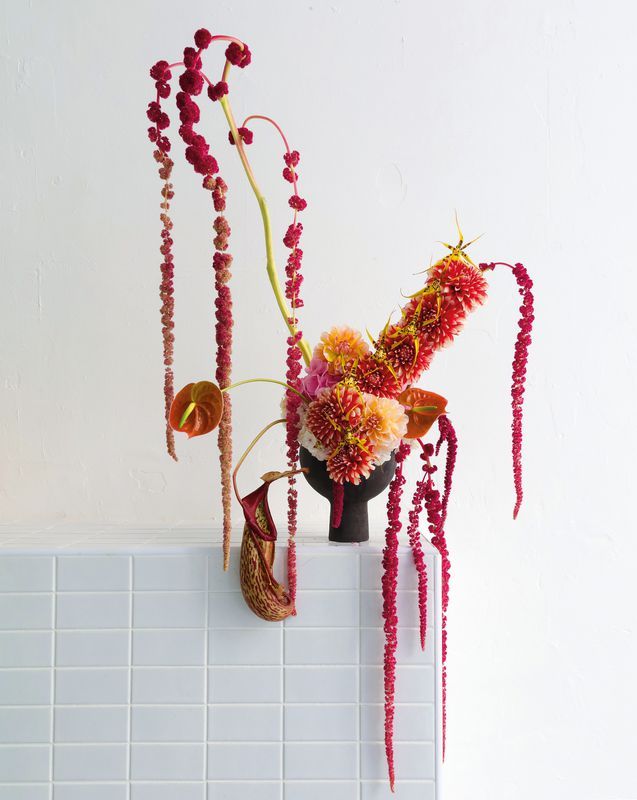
390	609
520	359
161	74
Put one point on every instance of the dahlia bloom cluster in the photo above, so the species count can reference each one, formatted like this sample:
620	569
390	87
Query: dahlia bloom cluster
358	412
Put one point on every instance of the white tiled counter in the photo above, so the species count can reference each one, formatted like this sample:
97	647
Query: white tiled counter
131	669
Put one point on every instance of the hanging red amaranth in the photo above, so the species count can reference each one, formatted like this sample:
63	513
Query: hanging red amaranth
520	359
448	436
413	534
390	611
433	505
161	74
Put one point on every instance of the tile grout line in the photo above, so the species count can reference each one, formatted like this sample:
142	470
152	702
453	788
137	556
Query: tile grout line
53	673
206	677
130	678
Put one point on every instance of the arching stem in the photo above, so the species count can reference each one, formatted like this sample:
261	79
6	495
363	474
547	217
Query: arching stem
267	380
267	230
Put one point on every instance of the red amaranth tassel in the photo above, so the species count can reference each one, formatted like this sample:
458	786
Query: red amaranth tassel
338	497
520	359
433	505
448	435
413	533
390	611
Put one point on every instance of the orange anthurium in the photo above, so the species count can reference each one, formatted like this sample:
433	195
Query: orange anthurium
197	408
422	409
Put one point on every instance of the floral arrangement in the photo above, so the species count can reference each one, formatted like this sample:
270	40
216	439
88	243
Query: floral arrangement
352	404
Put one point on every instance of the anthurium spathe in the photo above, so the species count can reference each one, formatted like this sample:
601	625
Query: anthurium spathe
197	408
422	408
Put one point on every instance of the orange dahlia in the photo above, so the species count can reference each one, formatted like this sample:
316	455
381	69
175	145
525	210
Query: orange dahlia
342	347
384	424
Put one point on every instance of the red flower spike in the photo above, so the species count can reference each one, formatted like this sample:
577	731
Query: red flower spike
518	380
191	59
217	91
297	203
191	82
246	135
203	38
237	55
448	436
413	533
292	159
390	609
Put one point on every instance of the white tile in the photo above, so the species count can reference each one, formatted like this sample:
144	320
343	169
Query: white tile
169	648
168	791
321	684
235	723
84	610
412	722
166	573
25	687
244	684
90	791
90	762
24	764
321	723
169	609
21	649
326	571
167	762
25	725
91	686
230	610
413	684
218	580
26	574
321	646
332	609
178	685
407	605
25	792
89	724
408	651
26	611
416	790
93	573
414	761
319	790
321	761
243	761
235	790
168	724
245	647
92	648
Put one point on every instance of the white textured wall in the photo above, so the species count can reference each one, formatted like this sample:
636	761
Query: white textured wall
518	114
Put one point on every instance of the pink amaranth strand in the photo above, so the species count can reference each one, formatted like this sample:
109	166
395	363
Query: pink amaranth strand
293	282
390	611
413	533
448	435
161	74
520	359
197	153
433	505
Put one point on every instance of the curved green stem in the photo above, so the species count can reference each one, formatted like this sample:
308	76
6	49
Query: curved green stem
267	229
266	380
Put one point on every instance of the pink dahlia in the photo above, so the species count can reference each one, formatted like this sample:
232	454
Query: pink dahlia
317	377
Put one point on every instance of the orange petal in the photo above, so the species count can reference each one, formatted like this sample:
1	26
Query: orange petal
419	421
206	413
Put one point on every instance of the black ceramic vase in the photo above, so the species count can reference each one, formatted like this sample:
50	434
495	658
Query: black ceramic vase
354	525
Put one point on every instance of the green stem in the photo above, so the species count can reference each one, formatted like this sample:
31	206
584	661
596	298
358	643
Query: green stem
266	380
267	229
